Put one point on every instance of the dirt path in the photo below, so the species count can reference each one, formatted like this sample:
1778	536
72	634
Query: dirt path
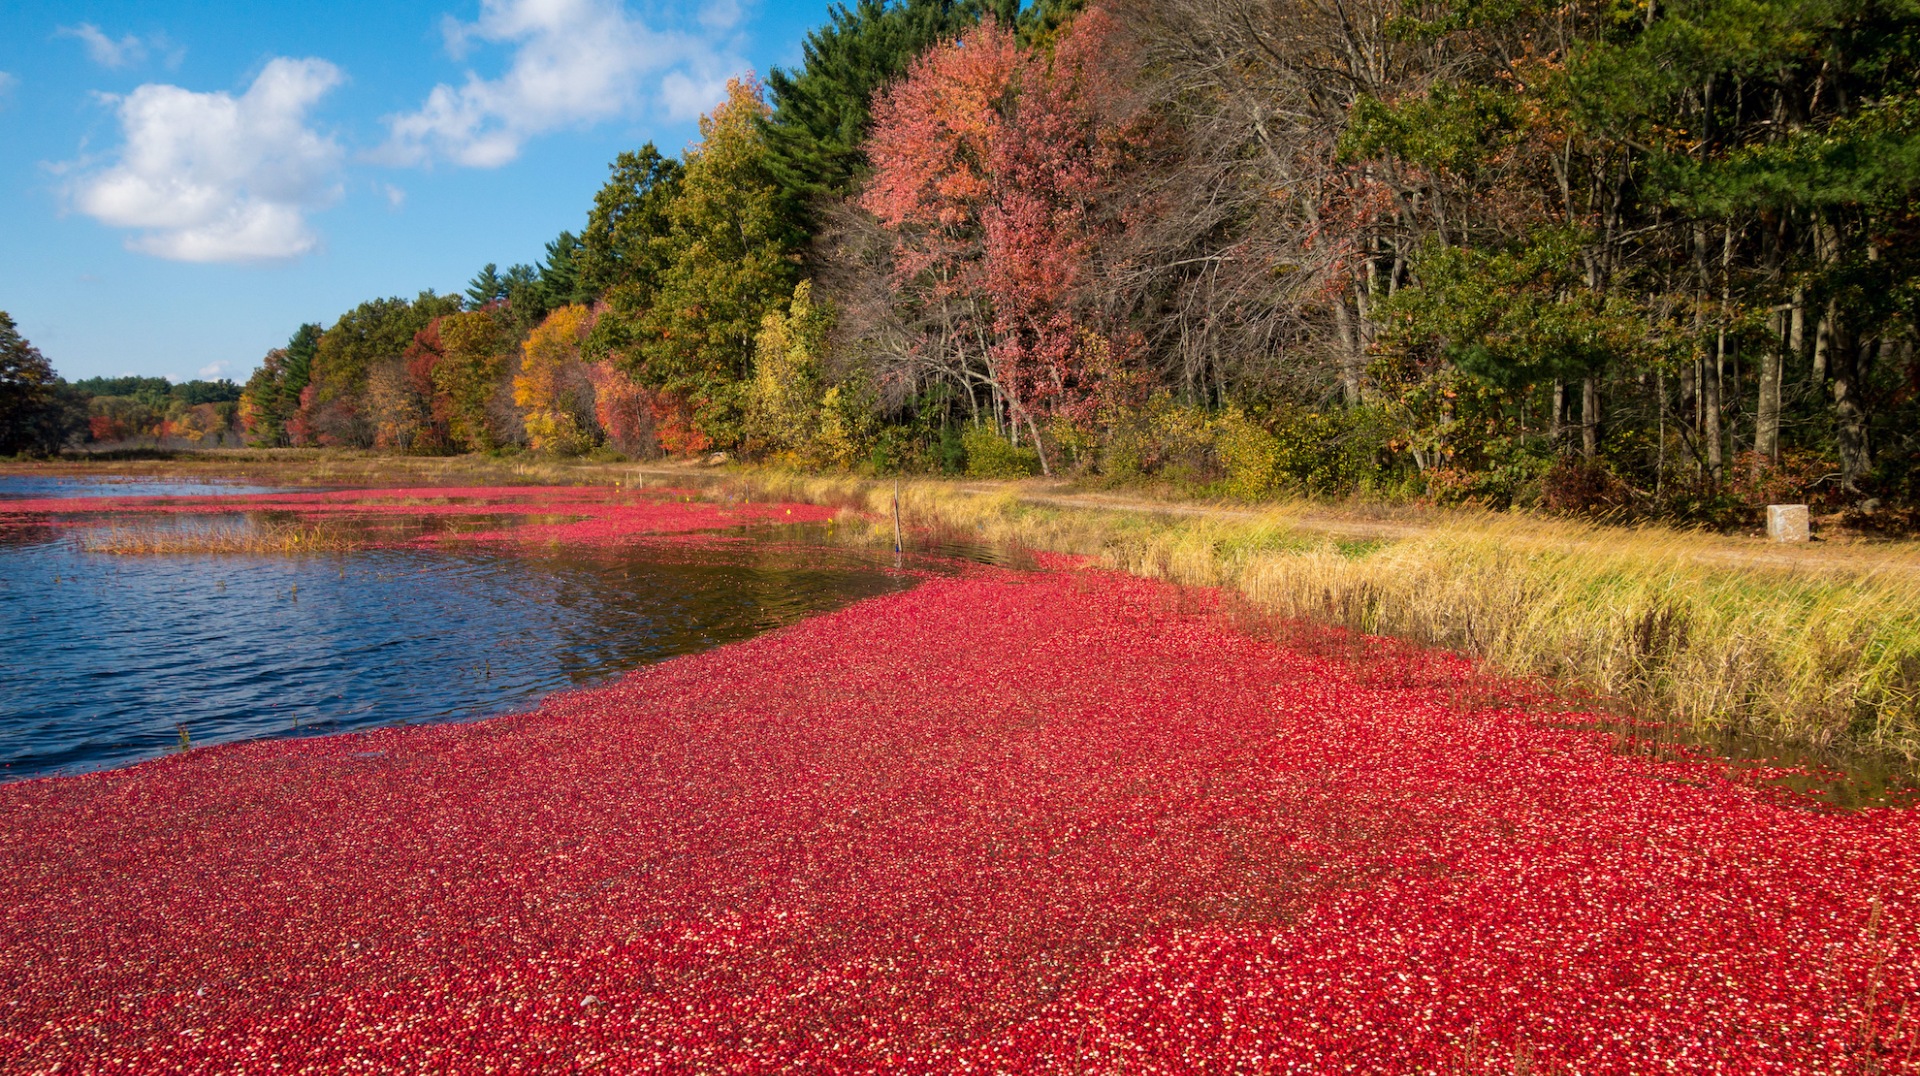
1732	551
1728	550
1852	557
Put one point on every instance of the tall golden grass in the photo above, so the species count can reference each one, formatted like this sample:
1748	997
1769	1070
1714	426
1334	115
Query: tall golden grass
1720	634
275	539
1817	646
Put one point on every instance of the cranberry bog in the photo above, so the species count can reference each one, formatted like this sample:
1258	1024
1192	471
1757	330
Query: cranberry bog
1053	820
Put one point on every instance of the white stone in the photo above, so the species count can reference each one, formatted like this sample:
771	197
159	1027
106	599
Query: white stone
1788	523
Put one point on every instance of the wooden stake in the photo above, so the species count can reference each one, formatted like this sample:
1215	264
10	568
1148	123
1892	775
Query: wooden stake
896	515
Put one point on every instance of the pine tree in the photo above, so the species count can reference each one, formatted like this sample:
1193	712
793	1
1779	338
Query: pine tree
820	111
27	386
560	272
629	213
487	286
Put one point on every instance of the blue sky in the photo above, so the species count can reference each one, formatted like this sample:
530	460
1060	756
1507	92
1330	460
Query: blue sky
188	182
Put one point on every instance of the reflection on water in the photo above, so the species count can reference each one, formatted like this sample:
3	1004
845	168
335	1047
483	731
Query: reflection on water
103	657
106	655
1846	780
37	486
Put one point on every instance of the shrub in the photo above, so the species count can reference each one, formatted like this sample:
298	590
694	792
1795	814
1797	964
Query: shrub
1234	454
952	451
1799	477
1575	485
991	456
1249	455
1332	452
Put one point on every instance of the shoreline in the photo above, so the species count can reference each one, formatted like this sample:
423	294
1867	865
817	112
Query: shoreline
949	828
1817	648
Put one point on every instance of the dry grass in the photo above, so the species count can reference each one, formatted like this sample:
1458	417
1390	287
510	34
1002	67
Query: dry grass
275	539
337	467
1816	645
1673	622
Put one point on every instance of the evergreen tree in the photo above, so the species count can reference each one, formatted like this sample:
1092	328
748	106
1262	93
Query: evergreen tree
301	348
629	213
526	299
487	286
272	394
27	388
1042	22
819	118
560	273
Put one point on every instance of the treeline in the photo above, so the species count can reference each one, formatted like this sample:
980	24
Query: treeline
1644	257
42	413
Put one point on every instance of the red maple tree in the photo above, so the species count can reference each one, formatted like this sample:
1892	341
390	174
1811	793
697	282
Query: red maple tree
995	168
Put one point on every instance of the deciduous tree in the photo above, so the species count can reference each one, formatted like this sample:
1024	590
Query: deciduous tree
552	389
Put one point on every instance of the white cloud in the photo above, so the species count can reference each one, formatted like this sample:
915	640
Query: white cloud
575	62
104	50
210	177
394	195
213	370
685	96
7	83
125	52
720	14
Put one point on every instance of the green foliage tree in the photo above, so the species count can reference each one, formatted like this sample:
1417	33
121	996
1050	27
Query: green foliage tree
487	286
1041	22
618	249
560	283
272	394
302	346
375	331
728	258
261	415
468	373
820	111
32	404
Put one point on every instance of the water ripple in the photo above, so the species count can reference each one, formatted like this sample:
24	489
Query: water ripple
102	667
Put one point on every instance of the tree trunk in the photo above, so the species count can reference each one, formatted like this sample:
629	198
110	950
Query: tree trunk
1797	325
1689	411
1590	417
1849	364
1710	431
1766	420
1350	348
1039	447
1823	342
1660	461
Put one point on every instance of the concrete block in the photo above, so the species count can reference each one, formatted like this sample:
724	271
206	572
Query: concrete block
1788	523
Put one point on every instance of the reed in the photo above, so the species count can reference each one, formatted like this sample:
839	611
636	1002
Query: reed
1722	634
1816	645
274	539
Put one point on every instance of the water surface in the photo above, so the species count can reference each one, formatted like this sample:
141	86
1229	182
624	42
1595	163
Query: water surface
16	487
106	660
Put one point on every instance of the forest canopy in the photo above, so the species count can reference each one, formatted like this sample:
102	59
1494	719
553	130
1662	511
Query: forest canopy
1636	257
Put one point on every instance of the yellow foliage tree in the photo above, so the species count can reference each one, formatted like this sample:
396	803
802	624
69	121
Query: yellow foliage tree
783	400
793	414
466	376
550	359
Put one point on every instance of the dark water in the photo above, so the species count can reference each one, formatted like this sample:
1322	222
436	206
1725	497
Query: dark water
104	658
37	486
1845	780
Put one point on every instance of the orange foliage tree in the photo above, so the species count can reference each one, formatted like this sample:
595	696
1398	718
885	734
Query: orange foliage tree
995	169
